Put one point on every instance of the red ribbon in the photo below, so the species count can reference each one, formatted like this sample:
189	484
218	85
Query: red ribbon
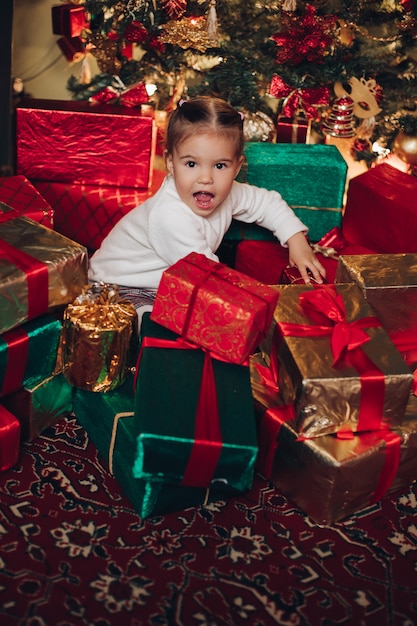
36	275
208	443
18	342
296	99
391	464
9	439
325	306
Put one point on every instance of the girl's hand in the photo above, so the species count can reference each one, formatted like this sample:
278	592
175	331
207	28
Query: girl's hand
303	258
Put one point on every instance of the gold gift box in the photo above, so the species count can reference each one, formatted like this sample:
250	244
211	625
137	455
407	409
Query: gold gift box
64	260
331	478
327	397
389	284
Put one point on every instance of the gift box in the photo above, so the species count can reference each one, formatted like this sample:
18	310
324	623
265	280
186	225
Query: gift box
9	439
311	178
87	213
381	210
331	477
17	193
77	142
73	48
293	130
69	20
99	339
333	361
40	270
200	431
114	435
214	306
39	404
28	351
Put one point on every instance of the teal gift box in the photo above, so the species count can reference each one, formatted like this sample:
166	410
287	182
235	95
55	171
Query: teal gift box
108	418
200	430
310	177
39	404
28	351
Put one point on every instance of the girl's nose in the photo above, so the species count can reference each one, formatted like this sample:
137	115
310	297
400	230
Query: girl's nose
205	176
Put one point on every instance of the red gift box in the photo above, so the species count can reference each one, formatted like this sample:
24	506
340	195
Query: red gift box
72	48
214	307
9	439
293	130
87	213
381	210
86	144
69	20
20	195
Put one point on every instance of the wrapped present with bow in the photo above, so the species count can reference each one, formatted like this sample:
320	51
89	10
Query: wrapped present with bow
40	270
99	339
336	475
19	195
69	19
200	432
214	306
333	361
114	435
28	351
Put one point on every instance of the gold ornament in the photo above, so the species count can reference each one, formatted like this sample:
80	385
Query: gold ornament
363	95
104	51
188	32
346	33
405	147
258	127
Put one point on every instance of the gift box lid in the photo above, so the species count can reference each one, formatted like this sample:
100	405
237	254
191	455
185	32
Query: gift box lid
171	429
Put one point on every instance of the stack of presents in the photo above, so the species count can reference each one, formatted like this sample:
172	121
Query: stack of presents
238	370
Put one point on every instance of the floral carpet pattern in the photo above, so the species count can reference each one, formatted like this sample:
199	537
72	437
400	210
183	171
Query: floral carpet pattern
74	552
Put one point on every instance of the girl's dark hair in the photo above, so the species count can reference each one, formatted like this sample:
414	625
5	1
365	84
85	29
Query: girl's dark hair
204	114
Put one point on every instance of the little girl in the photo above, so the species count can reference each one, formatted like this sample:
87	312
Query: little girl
194	207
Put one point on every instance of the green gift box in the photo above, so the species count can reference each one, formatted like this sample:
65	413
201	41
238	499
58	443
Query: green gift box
200	431
28	352
39	404
310	177
108	418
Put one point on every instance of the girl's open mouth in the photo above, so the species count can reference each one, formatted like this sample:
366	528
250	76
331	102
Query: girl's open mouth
203	199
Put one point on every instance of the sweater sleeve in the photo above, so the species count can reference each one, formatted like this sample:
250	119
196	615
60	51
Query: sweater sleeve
266	208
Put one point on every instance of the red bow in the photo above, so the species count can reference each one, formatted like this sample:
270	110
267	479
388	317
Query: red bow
297	99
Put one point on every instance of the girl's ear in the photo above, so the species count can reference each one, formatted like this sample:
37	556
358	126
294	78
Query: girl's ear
168	162
239	164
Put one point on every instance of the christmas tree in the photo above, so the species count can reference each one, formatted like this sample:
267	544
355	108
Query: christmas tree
263	56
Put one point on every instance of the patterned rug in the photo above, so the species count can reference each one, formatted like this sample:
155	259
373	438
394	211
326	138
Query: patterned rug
73	552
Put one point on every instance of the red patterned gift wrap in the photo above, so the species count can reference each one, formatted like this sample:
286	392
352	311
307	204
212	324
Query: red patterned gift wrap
69	20
83	143
214	307
332	360
331	477
18	193
9	439
87	213
40	270
293	130
381	210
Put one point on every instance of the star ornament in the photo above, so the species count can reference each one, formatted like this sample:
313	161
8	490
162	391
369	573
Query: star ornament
188	32
305	38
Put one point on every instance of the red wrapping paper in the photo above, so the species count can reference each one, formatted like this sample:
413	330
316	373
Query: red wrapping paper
69	20
18	193
293	130
86	144
72	48
214	307
87	213
381	210
9	439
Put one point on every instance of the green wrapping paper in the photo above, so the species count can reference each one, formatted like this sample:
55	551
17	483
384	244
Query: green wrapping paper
28	352
109	421
365	387
39	404
310	177
178	441
328	477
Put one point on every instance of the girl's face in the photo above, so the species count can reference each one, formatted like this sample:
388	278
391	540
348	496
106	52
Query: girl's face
204	168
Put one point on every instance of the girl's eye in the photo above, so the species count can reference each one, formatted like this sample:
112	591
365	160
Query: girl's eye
220	166
190	164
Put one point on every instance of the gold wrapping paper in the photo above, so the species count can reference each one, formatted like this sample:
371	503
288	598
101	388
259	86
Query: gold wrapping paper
331	478
327	398
66	263
99	339
389	284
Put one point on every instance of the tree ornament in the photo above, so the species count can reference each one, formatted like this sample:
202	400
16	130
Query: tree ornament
135	32
188	32
289	5
365	95
405	147
339	123
175	9
346	33
212	23
258	126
